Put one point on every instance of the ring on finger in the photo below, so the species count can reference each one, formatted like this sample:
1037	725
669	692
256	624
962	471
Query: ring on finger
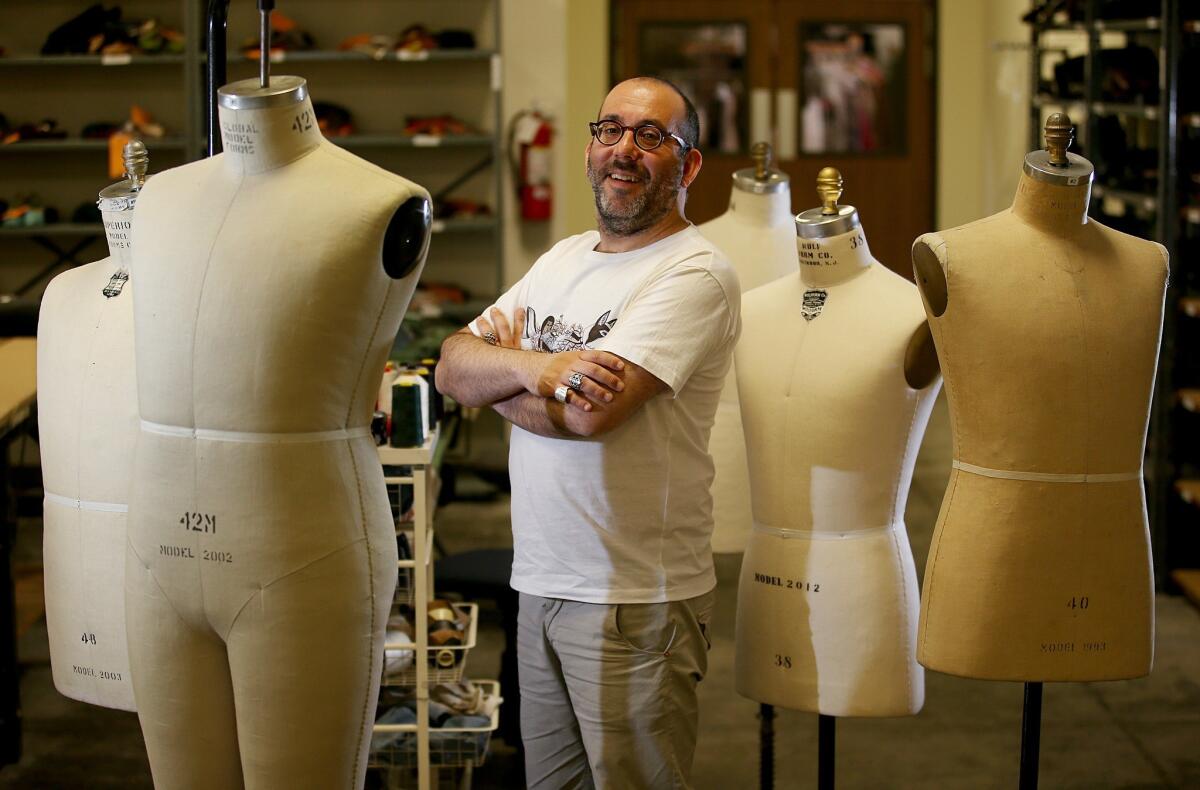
575	381
561	394
490	338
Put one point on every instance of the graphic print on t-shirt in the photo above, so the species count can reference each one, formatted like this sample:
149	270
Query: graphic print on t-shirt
554	334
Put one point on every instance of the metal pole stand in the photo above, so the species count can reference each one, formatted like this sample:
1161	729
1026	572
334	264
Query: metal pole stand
766	747
1031	736
826	750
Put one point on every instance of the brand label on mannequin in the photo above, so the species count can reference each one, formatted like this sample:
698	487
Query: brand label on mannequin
116	284
118	233
814	303
787	584
239	138
811	254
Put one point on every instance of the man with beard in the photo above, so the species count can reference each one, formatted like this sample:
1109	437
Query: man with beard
608	358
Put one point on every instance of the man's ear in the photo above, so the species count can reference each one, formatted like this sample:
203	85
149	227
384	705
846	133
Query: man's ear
691	166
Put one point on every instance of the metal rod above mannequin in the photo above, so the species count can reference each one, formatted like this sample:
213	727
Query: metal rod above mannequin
265	7
216	67
215	73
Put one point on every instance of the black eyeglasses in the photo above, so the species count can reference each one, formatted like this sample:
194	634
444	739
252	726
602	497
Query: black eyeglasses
646	137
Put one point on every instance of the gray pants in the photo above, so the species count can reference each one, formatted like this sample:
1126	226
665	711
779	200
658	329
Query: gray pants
608	691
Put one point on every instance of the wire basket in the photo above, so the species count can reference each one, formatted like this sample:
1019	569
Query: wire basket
446	664
395	745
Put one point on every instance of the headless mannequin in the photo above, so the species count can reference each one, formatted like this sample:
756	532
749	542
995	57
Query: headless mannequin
87	425
836	379
1047	324
758	235
262	555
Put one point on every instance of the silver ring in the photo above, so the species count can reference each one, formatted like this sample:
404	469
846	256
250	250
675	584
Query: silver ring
575	381
561	394
490	337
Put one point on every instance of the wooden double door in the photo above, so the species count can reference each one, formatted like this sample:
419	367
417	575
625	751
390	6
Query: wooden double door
848	85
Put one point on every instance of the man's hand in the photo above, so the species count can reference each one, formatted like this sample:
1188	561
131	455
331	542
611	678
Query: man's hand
597	380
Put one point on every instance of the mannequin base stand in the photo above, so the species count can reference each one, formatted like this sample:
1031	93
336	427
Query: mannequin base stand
766	747
826	750
1031	736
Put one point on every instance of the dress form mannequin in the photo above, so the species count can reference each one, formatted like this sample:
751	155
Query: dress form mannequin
758	235
836	377
1047	324
262	555
87	424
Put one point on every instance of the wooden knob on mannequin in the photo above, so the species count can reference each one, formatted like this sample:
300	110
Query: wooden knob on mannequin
1060	132
761	154
829	189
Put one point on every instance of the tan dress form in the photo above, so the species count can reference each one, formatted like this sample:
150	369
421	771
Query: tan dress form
1047	325
262	559
758	236
87	425
827	603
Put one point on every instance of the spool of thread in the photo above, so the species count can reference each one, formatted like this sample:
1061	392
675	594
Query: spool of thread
426	375
444	659
384	403
439	402
415	378
408	424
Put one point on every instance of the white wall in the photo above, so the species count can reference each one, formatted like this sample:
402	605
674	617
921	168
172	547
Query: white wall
555	55
983	101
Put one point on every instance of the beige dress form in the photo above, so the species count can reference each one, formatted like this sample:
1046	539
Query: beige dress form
1047	325
758	236
87	425
262	555
827	602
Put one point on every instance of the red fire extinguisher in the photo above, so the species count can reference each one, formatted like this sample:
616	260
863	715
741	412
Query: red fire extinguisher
532	133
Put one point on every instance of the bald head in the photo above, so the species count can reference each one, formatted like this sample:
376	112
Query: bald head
685	123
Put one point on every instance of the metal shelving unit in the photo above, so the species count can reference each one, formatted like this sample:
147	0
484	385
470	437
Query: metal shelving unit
416	586
187	144
1167	31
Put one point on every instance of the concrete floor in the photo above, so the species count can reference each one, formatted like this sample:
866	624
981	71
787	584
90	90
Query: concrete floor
1134	734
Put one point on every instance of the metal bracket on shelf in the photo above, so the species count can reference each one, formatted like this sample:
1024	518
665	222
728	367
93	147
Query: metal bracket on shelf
68	257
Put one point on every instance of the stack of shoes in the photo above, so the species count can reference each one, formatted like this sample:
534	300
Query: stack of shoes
1128	75
1057	12
27	213
286	36
102	31
375	45
418	38
448	208
434	125
413	40
46	129
333	120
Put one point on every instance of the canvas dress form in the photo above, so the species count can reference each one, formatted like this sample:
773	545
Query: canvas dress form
262	555
1047	325
87	426
758	236
827	601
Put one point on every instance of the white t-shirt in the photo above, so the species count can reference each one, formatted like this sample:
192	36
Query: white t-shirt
625	517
